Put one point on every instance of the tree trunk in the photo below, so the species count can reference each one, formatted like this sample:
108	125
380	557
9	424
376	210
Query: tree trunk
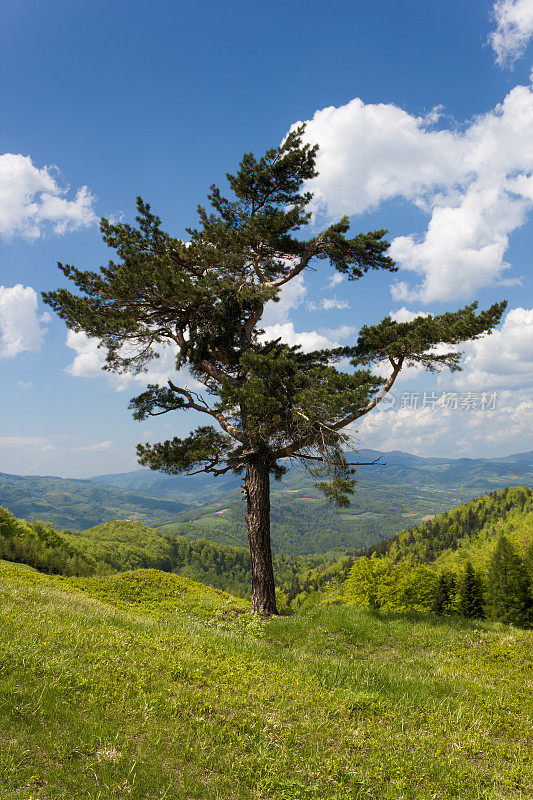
257	486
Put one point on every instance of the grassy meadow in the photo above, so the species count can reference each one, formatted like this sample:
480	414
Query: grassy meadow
147	685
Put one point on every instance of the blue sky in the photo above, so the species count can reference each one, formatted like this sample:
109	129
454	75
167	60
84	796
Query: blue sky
105	101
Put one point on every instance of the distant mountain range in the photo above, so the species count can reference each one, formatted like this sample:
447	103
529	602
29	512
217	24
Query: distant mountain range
478	474
387	499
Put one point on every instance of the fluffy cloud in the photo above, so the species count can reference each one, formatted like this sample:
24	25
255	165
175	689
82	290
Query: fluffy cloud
90	359
99	447
291	295
335	279
31	200
503	359
38	443
475	182
514	20
404	315
329	303
452	432
21	325
309	340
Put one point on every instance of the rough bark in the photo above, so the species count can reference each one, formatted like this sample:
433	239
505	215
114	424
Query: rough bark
257	486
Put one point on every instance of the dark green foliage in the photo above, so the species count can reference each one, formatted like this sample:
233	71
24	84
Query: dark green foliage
508	586
471	594
40	546
445	593
412	341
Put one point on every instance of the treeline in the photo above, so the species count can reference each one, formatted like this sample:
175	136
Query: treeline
471	576
424	543
127	545
40	546
503	591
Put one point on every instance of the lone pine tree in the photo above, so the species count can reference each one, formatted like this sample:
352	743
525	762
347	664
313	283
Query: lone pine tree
270	403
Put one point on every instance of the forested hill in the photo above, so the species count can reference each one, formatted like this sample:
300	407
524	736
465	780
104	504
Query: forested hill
80	504
124	545
474	561
467	532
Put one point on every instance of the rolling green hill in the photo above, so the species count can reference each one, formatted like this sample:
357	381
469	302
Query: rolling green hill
145	686
416	556
387	499
125	545
69	503
476	560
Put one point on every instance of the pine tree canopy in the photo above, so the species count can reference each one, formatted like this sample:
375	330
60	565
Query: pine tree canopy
206	297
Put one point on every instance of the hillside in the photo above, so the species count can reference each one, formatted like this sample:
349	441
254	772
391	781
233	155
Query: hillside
387	499
125	545
477	475
467	533
416	556
147	686
79	504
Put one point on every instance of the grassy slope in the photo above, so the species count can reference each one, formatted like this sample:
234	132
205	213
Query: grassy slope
144	685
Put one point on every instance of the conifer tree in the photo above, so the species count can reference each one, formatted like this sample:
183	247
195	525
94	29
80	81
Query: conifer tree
508	587
471	594
444	593
268	403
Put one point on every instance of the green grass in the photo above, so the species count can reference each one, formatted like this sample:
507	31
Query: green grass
145	685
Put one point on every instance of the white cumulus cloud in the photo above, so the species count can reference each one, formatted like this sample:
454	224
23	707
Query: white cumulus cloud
21	324
31	200
514	20
99	447
452	432
90	359
329	303
475	183
309	340
26	442
502	359
290	296
404	315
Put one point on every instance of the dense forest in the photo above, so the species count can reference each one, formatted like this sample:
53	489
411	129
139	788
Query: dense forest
476	561
463	529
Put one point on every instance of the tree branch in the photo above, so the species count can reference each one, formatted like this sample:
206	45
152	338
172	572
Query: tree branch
377	462
312	438
397	365
201	405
